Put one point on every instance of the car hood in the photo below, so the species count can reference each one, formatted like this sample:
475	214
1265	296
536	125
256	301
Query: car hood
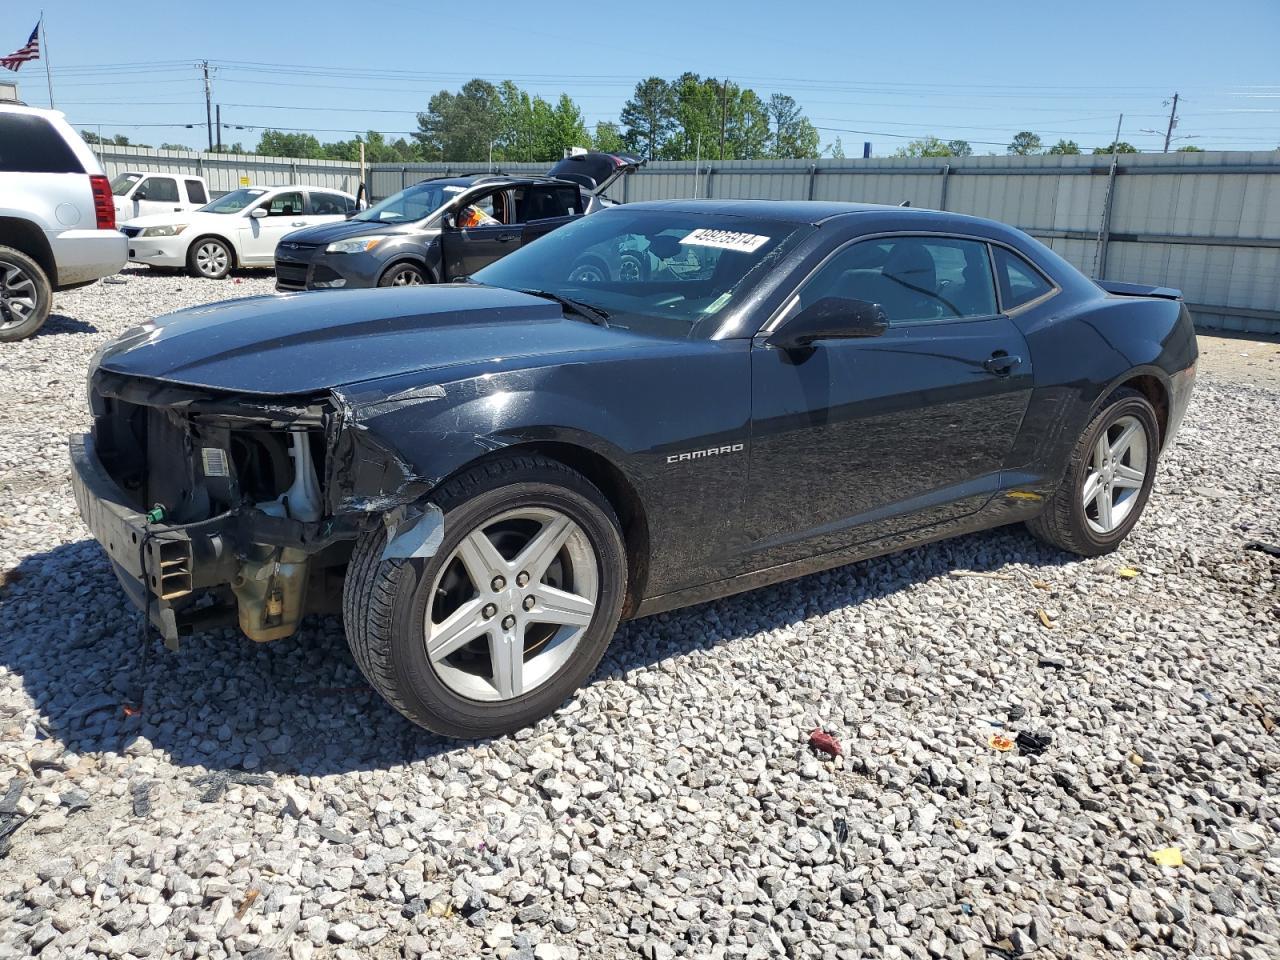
325	233
184	216
308	342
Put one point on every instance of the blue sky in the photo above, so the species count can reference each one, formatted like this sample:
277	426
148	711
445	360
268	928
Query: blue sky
883	72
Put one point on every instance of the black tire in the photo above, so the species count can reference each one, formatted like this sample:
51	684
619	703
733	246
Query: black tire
26	296
589	269
223	263
385	602
403	274
1064	522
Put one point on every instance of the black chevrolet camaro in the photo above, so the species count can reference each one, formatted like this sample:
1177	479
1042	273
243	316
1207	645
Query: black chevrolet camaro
485	477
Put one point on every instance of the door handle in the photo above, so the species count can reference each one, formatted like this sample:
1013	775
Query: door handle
1001	363
503	238
298	223
177	209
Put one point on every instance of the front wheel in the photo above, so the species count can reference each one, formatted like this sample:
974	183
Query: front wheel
510	615
209	257
25	295
1108	480
403	275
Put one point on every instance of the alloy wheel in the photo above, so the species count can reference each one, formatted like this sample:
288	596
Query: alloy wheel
1117	471
17	295
211	259
511	604
587	273
407	277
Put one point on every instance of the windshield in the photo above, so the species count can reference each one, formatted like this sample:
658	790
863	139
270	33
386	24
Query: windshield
233	202
653	271
124	182
412	203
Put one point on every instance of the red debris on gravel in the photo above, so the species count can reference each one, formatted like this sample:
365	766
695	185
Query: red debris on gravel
824	742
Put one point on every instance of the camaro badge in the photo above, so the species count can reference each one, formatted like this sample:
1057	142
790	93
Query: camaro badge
709	452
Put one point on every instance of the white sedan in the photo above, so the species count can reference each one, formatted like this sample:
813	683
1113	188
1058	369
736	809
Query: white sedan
240	229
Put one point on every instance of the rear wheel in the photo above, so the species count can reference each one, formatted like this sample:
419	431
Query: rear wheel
210	257
403	275
1108	481
511	614
25	295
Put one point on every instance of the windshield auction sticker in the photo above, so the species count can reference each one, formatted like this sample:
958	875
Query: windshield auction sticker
726	240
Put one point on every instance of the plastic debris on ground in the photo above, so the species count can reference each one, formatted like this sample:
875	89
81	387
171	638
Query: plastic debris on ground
998	741
1129	572
1167	857
824	742
1044	618
1033	744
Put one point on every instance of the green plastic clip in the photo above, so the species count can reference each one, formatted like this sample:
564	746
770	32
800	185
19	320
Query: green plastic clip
155	514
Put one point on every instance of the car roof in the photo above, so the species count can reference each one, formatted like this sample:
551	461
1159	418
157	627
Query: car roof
812	212
495	179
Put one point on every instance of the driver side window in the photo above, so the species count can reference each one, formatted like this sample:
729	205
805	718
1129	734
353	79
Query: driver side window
913	279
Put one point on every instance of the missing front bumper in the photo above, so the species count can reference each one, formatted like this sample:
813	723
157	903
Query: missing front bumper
241	566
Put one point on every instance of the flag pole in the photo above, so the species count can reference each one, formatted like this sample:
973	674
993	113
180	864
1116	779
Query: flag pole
44	55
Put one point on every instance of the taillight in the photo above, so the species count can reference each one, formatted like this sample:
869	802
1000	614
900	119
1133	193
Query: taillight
103	206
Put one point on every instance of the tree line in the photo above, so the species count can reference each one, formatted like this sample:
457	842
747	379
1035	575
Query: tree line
1026	143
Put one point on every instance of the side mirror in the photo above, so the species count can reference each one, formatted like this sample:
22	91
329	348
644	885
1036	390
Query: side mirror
258	213
140	195
831	318
449	221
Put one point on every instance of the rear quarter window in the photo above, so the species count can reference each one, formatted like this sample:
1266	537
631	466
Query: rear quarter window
30	144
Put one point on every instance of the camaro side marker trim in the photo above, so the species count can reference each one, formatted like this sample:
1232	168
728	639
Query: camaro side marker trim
709	452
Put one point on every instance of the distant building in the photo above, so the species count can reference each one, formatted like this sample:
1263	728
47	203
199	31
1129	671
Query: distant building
8	91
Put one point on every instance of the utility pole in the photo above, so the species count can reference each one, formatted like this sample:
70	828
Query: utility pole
1173	122
219	114
208	102
724	113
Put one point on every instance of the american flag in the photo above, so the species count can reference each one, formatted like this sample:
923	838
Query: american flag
20	56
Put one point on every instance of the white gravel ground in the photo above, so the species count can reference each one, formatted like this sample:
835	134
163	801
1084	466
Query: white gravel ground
266	803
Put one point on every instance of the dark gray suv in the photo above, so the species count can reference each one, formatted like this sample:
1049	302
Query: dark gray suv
446	227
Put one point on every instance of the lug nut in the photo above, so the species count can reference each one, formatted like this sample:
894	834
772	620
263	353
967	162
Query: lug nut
489	610
498	584
522	579
508	622
529	602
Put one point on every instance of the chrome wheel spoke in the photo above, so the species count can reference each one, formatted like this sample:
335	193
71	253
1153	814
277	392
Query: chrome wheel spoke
562	607
481	559
1127	476
457	630
1104	511
1101	453
544	547
1118	449
506	654
1092	487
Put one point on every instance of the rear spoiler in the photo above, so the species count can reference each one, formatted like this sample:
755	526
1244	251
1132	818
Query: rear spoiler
1138	290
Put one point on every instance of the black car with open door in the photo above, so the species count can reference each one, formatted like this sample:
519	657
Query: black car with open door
446	227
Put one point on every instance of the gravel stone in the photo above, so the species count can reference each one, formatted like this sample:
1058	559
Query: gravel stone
673	808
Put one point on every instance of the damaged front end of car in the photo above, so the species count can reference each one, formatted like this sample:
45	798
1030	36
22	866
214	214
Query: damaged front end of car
222	509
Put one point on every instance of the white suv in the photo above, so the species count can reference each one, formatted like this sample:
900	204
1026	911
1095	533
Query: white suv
57	219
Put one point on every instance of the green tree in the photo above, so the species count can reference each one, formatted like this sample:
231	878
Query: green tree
555	128
119	140
1064	147
835	149
236	147
649	117
960	148
1190	148
608	137
794	136
926	147
277	143
707	106
1025	144
174	146
1116	147
377	149
462	126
